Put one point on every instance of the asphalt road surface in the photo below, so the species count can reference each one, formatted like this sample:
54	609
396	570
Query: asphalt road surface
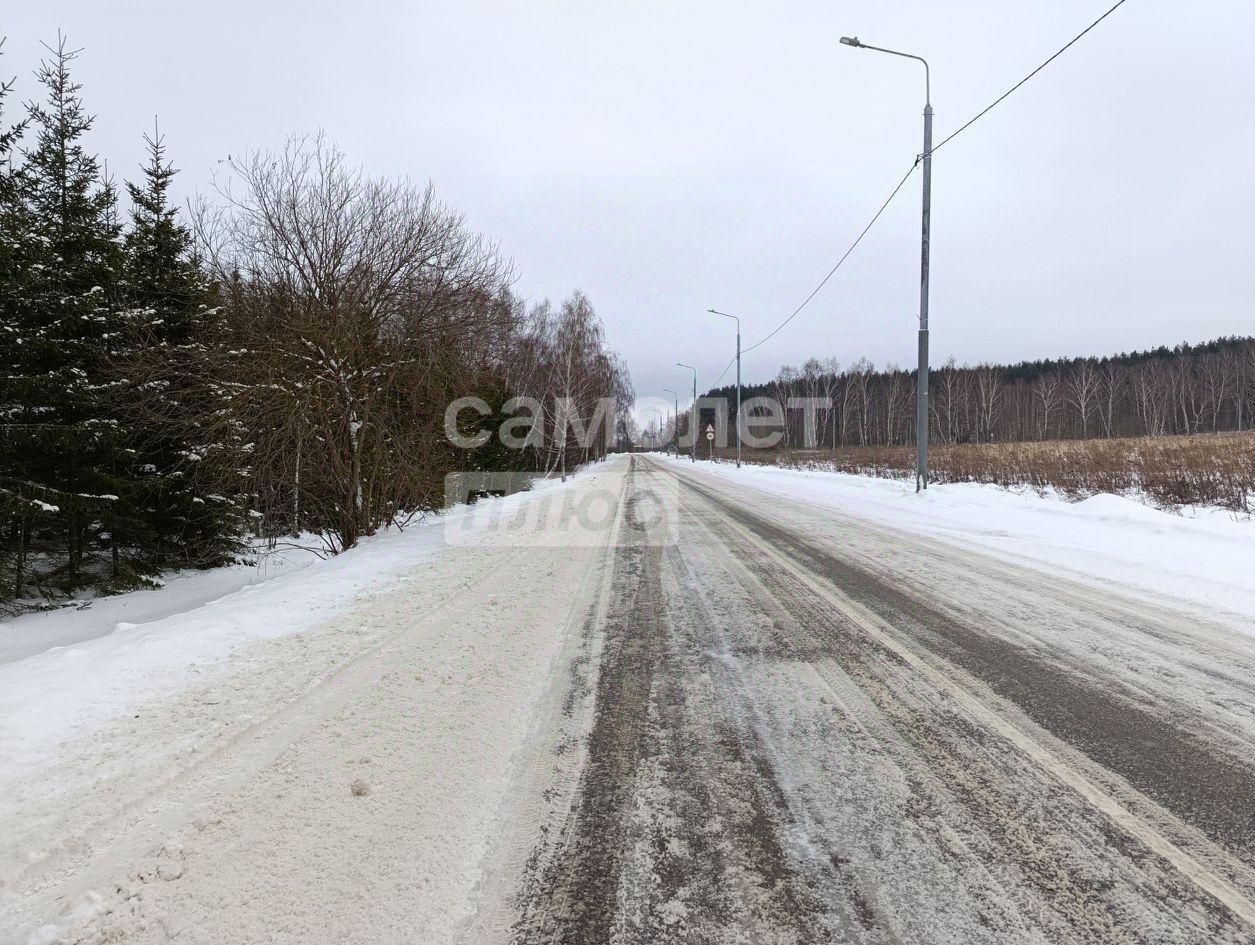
803	729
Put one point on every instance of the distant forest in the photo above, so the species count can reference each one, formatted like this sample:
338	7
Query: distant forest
1199	388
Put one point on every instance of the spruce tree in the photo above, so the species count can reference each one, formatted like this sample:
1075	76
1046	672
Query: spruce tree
8	140
186	490
16	511
61	453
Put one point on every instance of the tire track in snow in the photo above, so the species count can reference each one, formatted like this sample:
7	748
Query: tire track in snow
676	828
812	575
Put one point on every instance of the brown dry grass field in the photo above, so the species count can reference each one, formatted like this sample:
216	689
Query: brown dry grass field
1212	469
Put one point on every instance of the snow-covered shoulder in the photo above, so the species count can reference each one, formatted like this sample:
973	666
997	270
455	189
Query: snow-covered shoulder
65	672
1202	557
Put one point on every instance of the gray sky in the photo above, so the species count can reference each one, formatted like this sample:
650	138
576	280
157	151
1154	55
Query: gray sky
669	157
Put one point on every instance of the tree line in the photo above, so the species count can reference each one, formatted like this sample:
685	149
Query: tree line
274	359
1200	388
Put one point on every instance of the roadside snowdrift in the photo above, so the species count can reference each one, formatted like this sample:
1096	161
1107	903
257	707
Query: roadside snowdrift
180	592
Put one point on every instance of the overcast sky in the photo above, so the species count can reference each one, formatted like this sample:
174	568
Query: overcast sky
668	157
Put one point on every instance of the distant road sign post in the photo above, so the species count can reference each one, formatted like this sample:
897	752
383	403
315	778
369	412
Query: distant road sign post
710	441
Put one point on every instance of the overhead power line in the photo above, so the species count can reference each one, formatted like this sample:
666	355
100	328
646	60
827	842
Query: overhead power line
723	372
962	128
846	255
831	272
990	107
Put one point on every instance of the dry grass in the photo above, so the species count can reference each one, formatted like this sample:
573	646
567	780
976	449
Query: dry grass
1215	469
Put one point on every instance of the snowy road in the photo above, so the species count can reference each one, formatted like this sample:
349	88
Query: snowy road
812	731
708	714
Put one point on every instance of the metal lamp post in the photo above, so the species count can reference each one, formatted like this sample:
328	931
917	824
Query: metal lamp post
675	431
693	412
736	427
921	398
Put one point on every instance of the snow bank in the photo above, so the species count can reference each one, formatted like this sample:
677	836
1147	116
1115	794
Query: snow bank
1206	558
182	591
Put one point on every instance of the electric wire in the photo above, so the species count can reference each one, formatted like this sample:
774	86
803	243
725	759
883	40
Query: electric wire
831	272
988	108
846	255
954	134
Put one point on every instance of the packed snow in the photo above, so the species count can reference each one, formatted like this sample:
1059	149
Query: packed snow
72	669
121	754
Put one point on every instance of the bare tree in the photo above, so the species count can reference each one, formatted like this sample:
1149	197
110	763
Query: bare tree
895	399
1215	376
1047	394
1082	392
989	397
354	307
1111	393
1152	392
782	390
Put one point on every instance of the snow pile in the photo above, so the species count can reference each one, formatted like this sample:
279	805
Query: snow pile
1205	559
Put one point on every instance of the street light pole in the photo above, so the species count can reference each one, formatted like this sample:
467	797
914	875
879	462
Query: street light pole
675	430
736	427
693	412
921	396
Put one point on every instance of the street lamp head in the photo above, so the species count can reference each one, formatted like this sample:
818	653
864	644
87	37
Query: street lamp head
850	41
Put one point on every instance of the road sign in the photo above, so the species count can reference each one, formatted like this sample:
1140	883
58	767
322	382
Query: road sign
710	431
